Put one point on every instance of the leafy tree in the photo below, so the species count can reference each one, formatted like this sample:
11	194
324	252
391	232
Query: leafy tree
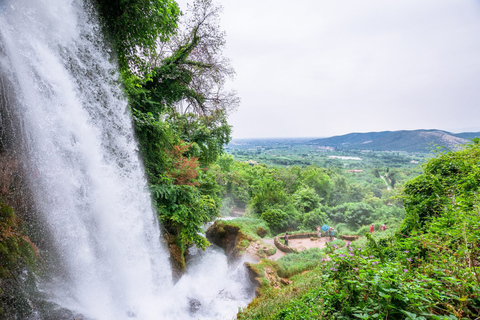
353	213
447	179
267	194
226	162
277	219
306	199
209	134
317	179
192	68
290	178
136	26
314	218
184	210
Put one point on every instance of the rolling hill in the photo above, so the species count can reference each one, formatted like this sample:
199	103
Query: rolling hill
404	140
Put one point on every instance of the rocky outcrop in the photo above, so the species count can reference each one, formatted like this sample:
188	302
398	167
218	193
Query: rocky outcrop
263	274
349	238
228	237
261	232
254	276
177	258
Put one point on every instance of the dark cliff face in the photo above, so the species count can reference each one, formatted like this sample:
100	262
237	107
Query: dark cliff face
19	227
12	168
224	236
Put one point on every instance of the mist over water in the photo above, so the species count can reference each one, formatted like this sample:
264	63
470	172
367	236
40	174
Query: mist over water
107	261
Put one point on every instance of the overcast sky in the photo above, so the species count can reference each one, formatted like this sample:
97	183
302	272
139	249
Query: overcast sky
317	68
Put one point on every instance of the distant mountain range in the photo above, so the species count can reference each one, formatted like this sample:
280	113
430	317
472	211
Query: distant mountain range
410	141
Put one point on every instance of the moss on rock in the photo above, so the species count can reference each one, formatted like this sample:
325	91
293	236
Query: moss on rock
17	254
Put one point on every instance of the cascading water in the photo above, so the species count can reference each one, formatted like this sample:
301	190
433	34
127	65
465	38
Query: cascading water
88	183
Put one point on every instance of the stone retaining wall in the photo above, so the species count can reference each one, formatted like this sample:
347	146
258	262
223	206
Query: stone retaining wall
349	238
280	246
301	235
287	249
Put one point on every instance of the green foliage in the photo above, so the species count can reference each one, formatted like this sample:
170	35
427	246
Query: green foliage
429	272
354	214
450	178
178	147
296	263
355	283
292	191
267	193
276	219
306	199
319	180
135	26
208	133
249	226
226	162
17	253
184	210
313	219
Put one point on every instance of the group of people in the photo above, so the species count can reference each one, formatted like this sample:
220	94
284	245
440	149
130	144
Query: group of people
383	227
330	232
325	230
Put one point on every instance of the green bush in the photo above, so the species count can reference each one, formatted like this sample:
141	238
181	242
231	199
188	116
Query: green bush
276	219
313	219
363	230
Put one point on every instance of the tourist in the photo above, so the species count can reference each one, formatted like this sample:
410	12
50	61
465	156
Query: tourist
319	231
331	233
286	238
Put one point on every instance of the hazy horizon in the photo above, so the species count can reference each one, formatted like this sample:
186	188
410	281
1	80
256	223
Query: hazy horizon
320	137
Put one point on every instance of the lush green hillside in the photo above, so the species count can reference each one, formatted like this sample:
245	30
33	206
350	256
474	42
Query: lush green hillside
409	141
429	268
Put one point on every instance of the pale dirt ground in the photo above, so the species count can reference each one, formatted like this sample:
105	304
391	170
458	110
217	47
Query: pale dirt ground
299	244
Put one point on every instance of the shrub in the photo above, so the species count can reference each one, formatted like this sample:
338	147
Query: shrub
276	219
313	219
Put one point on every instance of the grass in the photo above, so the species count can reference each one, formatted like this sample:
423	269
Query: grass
250	226
273	300
295	263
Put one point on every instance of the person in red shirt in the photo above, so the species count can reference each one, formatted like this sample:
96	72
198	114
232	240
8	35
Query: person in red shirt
372	227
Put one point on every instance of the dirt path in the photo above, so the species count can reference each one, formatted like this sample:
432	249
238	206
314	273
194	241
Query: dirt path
299	244
384	180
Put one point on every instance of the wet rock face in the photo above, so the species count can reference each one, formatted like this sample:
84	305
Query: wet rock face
177	259
193	306
225	236
11	170
261	232
254	277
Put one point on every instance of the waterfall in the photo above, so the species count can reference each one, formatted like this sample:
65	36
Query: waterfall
106	258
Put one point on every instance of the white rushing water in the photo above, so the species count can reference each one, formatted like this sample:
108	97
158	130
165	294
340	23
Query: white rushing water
88	182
